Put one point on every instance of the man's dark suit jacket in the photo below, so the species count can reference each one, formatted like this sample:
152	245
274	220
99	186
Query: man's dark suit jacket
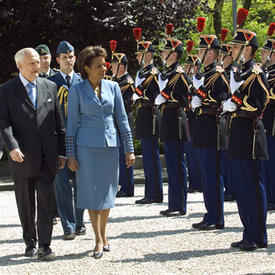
32	130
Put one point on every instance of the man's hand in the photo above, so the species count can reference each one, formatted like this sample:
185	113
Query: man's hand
72	164
130	159
61	162
159	99
196	102
197	82
16	155
234	85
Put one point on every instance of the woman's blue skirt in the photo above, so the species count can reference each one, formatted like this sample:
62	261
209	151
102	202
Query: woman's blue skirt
97	177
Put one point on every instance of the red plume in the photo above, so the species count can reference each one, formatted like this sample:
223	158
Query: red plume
137	33
169	29
200	23
108	66
271	29
224	33
113	44
241	16
190	45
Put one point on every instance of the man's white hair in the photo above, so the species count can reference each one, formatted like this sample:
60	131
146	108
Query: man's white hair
19	56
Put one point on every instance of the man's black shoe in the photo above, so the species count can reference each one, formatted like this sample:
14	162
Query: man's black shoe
238	244
172	213
30	251
228	197
211	226
45	253
197	225
270	206
122	194
248	246
148	201
80	230
262	245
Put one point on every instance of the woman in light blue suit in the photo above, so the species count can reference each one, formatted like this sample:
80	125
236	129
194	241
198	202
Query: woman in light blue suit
93	143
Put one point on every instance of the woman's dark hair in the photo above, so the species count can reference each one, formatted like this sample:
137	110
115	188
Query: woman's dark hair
86	57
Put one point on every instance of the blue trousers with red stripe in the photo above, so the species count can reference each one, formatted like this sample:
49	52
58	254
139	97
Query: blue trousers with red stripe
247	180
177	175
152	168
212	185
192	162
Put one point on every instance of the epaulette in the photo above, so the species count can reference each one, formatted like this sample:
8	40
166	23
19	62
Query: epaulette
154	71
130	80
256	69
219	69
179	69
56	70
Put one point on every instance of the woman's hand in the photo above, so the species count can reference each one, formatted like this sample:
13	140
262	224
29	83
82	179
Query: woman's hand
130	159
72	164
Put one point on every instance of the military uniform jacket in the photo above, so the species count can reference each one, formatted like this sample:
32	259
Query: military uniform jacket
63	90
126	85
174	86
247	134
269	113
210	130
51	73
147	88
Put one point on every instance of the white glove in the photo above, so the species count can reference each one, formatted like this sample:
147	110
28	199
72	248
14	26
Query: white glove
197	82
159	100
229	106
195	102
234	85
135	97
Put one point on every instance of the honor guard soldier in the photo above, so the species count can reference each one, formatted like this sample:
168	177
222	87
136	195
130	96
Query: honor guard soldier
70	216
268	59
192	153
174	86
147	118
211	88
46	71
226	61
119	67
45	61
247	139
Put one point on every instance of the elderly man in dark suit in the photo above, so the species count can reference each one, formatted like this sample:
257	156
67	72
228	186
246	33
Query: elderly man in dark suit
33	130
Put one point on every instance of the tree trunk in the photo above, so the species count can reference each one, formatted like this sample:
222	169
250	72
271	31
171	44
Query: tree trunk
247	4
218	16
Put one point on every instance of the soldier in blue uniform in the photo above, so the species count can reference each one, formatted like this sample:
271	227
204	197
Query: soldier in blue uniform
268	59
192	153
210	135
147	118
247	140
226	61
45	61
70	216
126	83
174	86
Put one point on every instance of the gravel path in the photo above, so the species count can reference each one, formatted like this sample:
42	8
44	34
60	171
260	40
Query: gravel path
142	242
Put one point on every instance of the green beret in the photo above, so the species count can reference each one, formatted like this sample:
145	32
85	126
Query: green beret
43	49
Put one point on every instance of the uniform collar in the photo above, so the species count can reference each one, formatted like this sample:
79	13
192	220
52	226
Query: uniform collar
210	67
247	65
71	74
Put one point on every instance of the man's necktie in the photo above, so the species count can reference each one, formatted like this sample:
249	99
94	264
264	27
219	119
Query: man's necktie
68	79
30	89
